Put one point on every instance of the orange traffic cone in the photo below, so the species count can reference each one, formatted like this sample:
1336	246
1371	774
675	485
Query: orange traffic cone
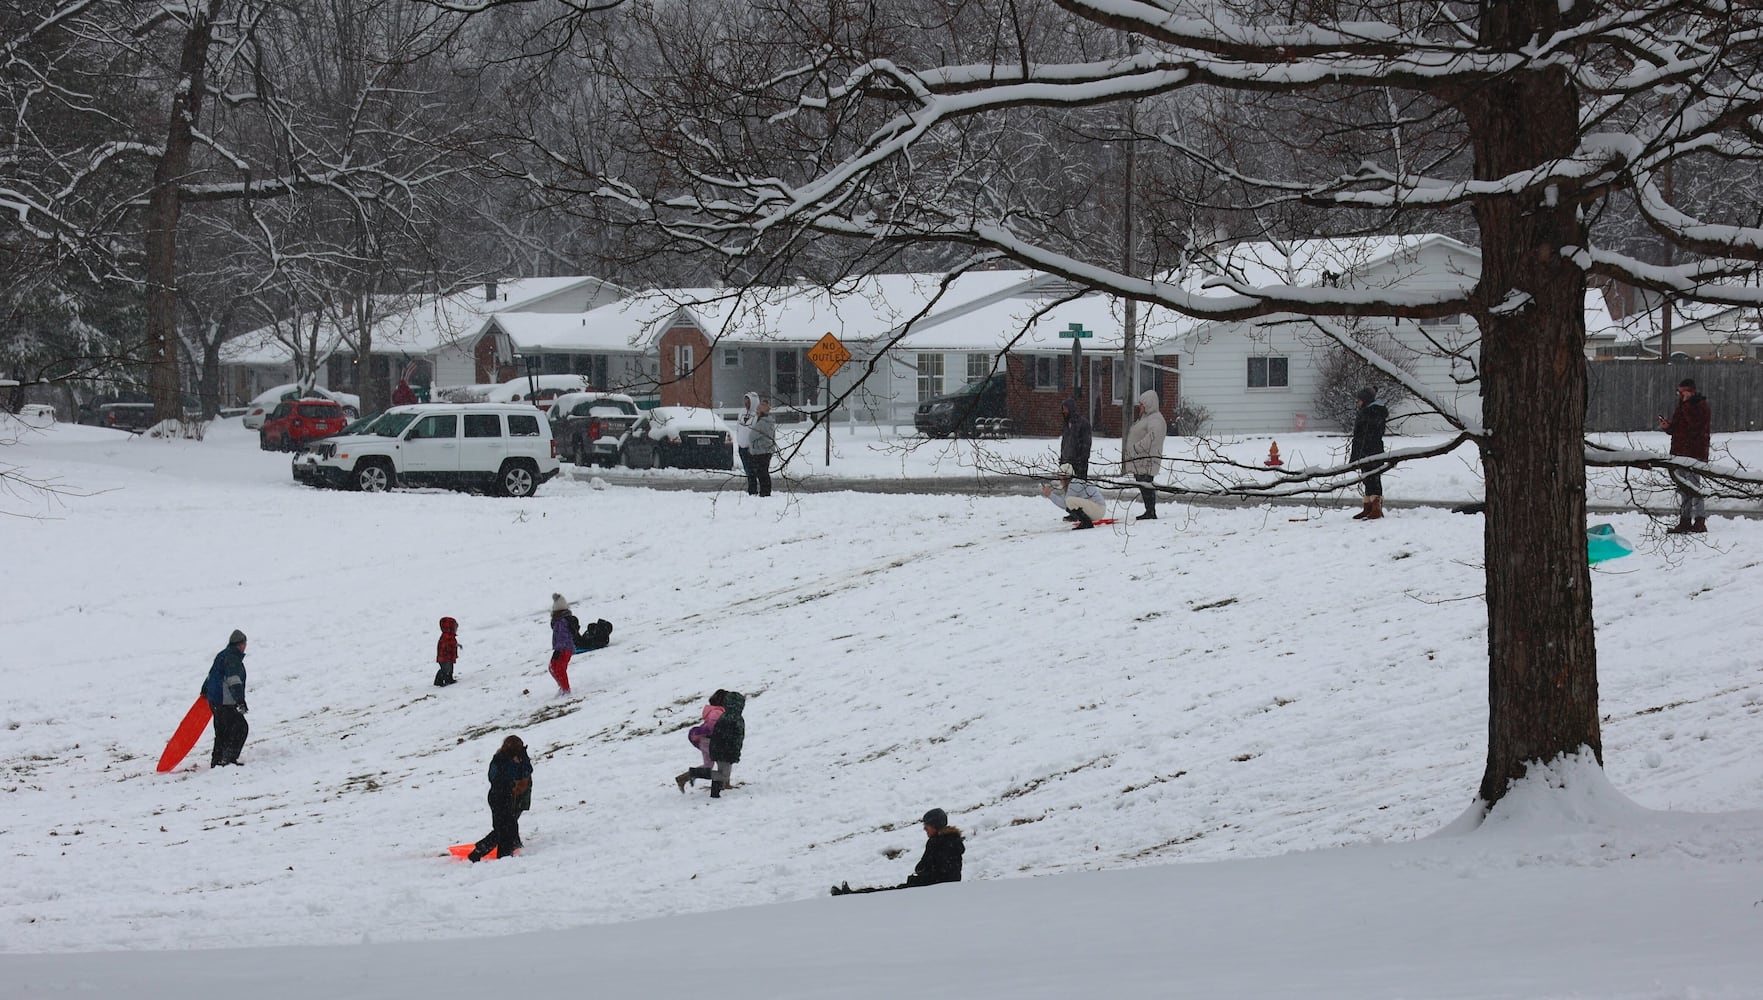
1273	455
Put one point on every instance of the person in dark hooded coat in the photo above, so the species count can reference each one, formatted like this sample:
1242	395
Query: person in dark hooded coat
941	861
1074	438
511	776
1368	427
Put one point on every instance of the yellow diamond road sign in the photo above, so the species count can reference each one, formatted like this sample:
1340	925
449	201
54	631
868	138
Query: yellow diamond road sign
829	355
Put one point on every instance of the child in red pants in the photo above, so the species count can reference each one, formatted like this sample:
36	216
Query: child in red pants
562	642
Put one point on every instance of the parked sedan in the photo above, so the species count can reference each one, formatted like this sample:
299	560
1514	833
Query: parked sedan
678	437
296	423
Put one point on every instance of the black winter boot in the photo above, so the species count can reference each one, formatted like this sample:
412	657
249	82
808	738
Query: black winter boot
716	789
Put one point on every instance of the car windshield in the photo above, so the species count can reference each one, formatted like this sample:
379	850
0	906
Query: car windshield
364	425
976	387
393	424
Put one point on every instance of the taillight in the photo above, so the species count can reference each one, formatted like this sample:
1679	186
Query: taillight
593	429
553	447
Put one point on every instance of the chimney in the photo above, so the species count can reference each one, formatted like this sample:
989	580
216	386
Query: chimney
490	290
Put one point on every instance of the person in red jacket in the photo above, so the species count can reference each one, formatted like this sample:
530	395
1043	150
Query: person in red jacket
403	395
1689	427
446	652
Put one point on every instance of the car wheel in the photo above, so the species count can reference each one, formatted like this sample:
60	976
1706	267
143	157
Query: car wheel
351	413
374	477
517	479
263	442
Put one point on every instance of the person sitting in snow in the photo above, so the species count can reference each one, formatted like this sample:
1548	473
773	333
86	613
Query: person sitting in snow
699	736
446	652
941	861
1079	498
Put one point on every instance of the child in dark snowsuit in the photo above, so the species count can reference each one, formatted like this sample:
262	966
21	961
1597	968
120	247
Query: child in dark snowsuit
446	652
511	776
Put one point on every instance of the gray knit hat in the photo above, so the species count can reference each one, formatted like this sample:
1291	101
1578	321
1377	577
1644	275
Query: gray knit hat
237	638
558	603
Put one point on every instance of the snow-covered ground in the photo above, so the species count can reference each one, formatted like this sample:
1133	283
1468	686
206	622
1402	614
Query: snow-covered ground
1215	755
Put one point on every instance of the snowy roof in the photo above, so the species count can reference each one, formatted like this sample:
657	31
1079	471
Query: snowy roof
1029	323
629	325
415	324
856	310
1362	261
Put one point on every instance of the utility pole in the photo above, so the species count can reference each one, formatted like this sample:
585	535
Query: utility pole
1129	390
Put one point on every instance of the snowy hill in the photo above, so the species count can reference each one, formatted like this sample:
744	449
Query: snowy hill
1219	685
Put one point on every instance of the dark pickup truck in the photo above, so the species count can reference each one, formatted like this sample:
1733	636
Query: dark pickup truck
588	426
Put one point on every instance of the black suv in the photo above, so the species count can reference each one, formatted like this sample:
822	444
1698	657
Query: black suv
135	417
955	413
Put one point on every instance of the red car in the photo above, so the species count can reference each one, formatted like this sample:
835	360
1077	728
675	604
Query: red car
296	422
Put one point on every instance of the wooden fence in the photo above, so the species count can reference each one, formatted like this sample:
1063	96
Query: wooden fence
1632	395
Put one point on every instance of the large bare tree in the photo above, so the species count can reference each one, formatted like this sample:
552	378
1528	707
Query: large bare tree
1535	125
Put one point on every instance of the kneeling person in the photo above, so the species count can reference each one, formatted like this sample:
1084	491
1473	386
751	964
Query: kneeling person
1080	499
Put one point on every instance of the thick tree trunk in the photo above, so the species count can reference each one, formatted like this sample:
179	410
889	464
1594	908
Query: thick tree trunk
210	382
164	379
1542	657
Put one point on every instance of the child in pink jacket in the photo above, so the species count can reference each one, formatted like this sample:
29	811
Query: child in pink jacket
699	736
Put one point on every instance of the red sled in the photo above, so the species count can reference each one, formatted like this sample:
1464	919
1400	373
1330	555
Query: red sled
188	732
464	850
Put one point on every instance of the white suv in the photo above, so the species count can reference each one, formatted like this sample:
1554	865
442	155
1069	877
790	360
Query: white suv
506	448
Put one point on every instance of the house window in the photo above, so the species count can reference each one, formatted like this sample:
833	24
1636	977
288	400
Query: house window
1454	319
1047	373
682	360
785	369
1267	373
731	357
1122	388
978	366
930	375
